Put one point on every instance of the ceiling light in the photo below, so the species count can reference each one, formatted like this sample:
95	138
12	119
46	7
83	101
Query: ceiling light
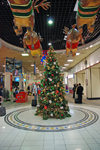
91	45
63	67
32	65
70	76
49	44
97	61
66	65
86	47
70	60
50	21
4	66
25	54
77	54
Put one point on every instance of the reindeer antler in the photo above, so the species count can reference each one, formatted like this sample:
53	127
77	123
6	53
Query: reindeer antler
74	25
40	38
65	30
44	4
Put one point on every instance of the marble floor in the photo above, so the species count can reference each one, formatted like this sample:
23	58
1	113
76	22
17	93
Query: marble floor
20	129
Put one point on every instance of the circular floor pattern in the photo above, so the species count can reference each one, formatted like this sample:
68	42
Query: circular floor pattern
20	119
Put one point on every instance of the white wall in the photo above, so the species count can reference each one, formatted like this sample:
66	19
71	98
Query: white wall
92	59
88	83
91	77
95	83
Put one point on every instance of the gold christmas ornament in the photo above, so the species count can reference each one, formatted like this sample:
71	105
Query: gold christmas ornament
48	68
61	99
53	67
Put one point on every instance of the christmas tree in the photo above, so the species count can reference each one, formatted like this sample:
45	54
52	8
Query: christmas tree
52	102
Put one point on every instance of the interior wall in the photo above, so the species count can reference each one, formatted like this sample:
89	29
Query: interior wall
93	83
70	82
95	76
88	83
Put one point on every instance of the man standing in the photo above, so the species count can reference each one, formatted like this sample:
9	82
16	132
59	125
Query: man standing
74	89
80	92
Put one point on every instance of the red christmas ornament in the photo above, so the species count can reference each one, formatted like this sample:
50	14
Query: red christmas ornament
45	107
61	114
43	84
57	91
39	91
52	74
50	60
45	79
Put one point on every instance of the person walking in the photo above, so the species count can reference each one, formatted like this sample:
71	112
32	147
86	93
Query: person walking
80	93
28	89
1	93
34	102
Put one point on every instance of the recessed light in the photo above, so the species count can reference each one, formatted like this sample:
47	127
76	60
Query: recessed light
32	65
63	67
70	60
77	54
25	54
66	65
97	61
91	45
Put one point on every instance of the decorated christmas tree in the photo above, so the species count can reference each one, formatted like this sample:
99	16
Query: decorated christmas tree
52	102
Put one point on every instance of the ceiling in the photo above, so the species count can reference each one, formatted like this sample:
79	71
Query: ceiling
84	51
62	13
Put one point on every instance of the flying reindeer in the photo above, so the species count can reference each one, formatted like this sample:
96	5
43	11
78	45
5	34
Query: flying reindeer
72	41
23	12
87	10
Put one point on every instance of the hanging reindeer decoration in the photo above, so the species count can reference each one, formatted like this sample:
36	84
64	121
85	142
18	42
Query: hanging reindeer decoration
87	10
32	41
23	12
72	41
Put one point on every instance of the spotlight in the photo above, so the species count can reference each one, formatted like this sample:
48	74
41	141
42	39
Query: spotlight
50	21
49	44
